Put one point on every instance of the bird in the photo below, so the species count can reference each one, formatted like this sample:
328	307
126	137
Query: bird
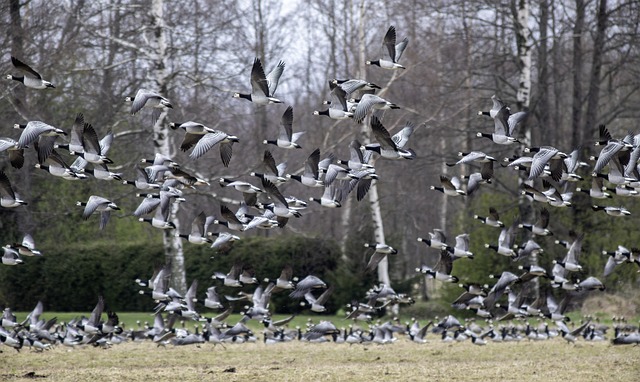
99	204
311	175
263	87
331	197
10	256
442	269
8	197
16	154
207	141
505	124
94	150
505	242
493	220
212	300
30	78
612	210
276	173
369	102
150	99
161	216
540	226
380	251
395	51
27	247
338	108
386	146
317	304
287	138
546	155
306	285
198	231
34	129
461	249
437	239
449	186
244	187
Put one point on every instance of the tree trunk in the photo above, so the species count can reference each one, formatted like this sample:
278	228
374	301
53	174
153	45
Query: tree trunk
162	141
576	110
596	69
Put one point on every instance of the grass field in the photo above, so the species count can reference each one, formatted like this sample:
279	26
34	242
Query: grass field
552	360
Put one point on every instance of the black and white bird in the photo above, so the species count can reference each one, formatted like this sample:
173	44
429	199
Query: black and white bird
380	251
395	51
263	87
149	99
338	108
98	204
223	140
8	197
387	147
311	175
287	138
449	186
33	130
369	102
30	77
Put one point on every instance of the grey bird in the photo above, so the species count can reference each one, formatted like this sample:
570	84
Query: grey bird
149	99
370	102
8	197
263	87
30	77
98	204
287	138
394	51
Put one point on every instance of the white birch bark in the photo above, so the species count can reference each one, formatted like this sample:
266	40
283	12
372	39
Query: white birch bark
172	245
523	36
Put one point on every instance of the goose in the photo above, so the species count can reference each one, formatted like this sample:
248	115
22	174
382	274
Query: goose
540	226
207	141
616	173
223	241
493	220
506	279
161	216
339	108
149	99
198	231
612	211
263	87
232	221
102	172
287	138
231	279
473	156
56	166
311	175
597	189
335	172
497	105
143	180
369	102
10	256
476	179
306	285
546	155
94	150
504	126
570	261
317	304
461	249
380	251
437	239
152	201
331	197
572	335
212	300
279	207
244	187
276	174
353	85
449	186
193	133
505	242
529	248
34	129
387	146
8	197
75	136
16	154
31	78
99	204
442	270
617	257
27	247
572	164
362	179
395	51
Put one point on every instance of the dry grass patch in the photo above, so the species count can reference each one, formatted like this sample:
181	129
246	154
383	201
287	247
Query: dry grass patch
526	361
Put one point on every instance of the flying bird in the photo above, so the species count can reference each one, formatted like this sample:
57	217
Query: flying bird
30	78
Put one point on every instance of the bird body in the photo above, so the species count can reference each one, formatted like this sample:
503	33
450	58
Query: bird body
31	78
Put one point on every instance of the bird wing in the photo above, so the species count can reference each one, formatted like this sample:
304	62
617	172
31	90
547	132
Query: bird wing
206	143
25	68
390	42
287	125
274	77
259	82
382	134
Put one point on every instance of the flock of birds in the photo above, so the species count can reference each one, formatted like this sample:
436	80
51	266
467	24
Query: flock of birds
162	181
